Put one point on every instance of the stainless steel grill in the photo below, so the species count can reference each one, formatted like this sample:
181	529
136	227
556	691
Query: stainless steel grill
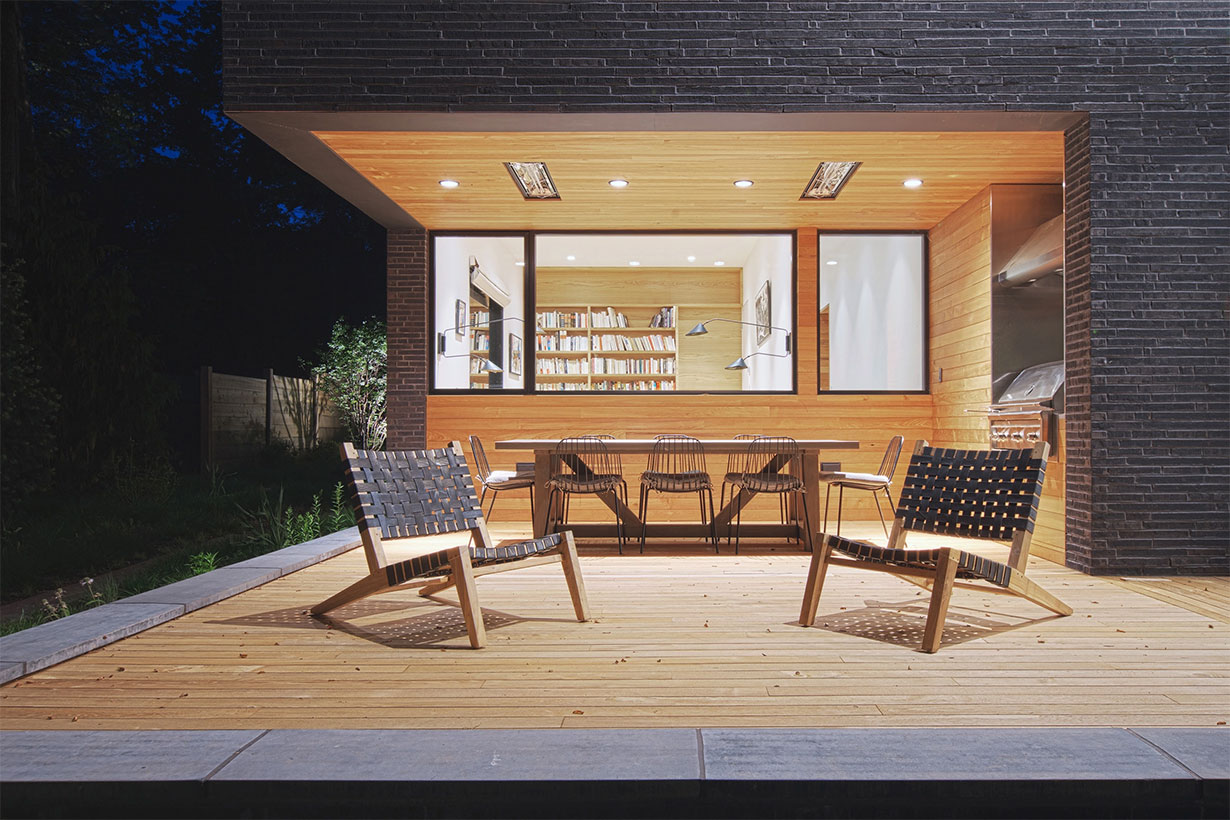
1025	412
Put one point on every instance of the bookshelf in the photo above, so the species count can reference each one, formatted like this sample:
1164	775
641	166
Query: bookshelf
626	347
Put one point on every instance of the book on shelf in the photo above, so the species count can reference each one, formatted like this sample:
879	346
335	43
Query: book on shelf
480	341
480	317
664	318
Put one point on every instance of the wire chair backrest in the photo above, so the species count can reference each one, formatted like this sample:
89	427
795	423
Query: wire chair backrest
480	459
735	461
676	454
405	493
770	457
587	456
888	465
988	494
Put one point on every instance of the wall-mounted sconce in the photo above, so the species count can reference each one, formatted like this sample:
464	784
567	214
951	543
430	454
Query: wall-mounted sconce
741	362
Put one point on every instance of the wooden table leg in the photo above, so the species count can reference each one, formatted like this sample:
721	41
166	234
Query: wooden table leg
811	493
542	474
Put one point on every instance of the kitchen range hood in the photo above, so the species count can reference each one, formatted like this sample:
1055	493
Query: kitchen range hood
1040	255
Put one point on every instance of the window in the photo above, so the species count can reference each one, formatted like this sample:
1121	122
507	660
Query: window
872	318
479	312
664	312
613	312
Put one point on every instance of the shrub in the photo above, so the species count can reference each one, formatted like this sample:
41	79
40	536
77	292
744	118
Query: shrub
353	375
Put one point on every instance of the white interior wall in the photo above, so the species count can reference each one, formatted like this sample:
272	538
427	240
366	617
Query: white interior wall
769	260
875	295
497	255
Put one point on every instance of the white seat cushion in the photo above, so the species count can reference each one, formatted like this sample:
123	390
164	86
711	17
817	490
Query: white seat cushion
870	479
500	476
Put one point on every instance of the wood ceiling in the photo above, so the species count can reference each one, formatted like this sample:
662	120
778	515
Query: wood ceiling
682	180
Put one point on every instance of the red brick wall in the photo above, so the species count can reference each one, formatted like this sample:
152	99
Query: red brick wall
407	318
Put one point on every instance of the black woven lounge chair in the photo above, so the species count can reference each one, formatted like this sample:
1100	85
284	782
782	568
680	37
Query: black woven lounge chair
413	493
989	494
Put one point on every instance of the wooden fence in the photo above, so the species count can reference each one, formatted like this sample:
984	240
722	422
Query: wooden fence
240	415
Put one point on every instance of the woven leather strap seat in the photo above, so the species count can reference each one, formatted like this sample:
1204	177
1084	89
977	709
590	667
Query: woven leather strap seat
412	493
436	563
969	565
591	483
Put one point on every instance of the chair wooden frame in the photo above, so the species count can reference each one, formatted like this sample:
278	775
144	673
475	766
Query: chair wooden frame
413	493
972	493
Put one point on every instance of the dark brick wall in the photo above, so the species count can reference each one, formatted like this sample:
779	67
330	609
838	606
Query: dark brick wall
1147	328
407	323
1078	486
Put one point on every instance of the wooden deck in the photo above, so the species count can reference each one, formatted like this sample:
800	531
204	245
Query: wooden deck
680	637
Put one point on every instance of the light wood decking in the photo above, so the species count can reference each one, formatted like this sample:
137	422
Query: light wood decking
680	638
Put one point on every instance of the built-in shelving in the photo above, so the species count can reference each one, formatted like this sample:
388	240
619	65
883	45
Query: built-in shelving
611	347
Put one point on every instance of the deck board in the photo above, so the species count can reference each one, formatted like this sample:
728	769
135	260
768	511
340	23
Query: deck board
680	638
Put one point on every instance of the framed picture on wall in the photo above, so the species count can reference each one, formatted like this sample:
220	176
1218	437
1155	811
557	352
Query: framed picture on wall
514	354
764	314
460	319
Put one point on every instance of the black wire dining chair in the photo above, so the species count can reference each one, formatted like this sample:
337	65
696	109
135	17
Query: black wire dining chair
771	465
677	465
586	467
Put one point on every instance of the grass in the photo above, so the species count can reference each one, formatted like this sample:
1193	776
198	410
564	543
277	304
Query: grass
171	527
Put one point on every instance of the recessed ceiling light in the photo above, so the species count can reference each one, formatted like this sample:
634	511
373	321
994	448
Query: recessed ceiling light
831	262
533	180
719	263
618	183
634	264
913	182
826	183
743	183
691	258
449	183
570	258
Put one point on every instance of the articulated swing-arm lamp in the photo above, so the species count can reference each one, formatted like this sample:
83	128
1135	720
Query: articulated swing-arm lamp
485	365
741	362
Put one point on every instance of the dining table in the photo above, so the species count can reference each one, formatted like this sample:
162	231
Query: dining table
547	462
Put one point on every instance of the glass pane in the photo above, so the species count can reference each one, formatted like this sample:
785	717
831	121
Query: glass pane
479	312
614	312
871	312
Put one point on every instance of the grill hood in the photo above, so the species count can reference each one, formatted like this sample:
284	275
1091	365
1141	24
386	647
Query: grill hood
1040	255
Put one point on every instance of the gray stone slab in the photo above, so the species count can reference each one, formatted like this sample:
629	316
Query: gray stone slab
471	755
933	754
203	590
11	670
1205	751
294	558
117	756
56	641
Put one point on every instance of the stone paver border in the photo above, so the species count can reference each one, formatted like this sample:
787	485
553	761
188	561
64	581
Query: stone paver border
30	650
632	772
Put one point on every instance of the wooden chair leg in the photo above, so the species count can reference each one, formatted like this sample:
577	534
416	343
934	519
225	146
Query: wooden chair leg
1030	591
815	582
359	589
572	575
438	586
941	592
463	574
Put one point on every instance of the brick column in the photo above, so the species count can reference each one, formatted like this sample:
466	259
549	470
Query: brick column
407	322
1077	302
